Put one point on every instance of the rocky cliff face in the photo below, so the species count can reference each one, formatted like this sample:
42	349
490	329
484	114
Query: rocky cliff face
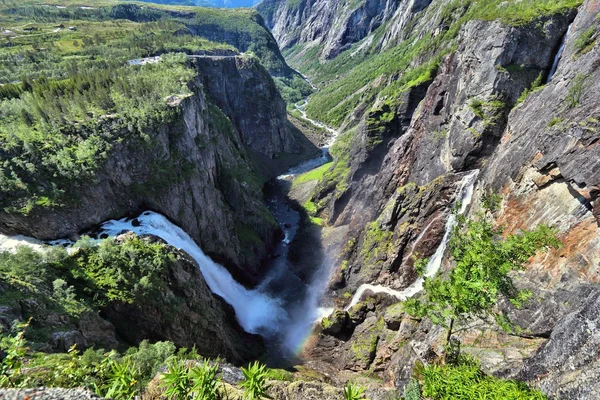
404	160
248	96
187	314
195	170
335	25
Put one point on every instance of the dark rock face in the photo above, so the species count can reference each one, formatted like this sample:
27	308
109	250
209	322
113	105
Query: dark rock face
568	365
194	170
247	95
188	314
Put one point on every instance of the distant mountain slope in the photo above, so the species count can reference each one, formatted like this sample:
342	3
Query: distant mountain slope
208	3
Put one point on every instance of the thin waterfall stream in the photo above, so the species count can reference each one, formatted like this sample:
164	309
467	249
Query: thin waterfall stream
559	54
464	197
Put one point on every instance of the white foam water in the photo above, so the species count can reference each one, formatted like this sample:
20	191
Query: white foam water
465	195
559	54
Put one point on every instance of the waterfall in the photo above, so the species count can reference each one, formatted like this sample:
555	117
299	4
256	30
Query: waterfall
256	311
465	195
558	56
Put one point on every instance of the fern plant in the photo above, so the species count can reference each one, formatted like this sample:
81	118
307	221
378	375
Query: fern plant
176	381
255	386
353	392
15	349
205	382
122	380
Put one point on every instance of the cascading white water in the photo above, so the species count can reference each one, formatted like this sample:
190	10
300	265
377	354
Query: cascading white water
255	311
559	54
465	195
10	243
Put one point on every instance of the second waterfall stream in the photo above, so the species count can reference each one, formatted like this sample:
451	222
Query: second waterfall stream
464	197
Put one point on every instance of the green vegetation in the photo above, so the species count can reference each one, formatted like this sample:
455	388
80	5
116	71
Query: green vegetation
90	278
535	86
109	374
575	91
377	242
465	381
183	381
353	392
413	390
585	41
338	174
293	89
255	386
68	96
483	263
554	121
124	375
357	78
313	175
489	111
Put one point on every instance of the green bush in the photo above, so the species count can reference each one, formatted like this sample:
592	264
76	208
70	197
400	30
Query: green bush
90	278
483	259
536	85
353	392
575	91
255	383
206	382
585	41
466	382
176	381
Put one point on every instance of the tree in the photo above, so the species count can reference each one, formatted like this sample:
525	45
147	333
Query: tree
483	261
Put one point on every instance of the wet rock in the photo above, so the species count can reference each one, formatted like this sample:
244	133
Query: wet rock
136	222
336	323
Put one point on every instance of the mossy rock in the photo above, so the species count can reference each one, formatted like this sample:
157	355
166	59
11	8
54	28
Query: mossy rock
336	323
393	316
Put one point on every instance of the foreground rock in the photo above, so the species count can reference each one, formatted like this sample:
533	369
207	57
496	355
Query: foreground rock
47	394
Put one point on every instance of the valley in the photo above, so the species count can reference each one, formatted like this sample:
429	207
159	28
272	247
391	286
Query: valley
379	199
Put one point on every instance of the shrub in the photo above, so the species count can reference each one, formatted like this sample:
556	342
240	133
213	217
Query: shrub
483	262
14	349
413	390
353	392
205	381
122	380
255	386
585	41
536	85
575	91
176	381
466	381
